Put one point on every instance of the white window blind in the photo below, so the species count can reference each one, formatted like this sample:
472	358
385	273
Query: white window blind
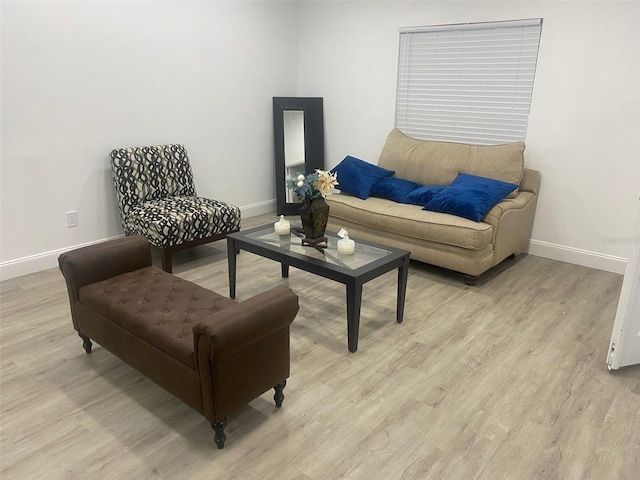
468	83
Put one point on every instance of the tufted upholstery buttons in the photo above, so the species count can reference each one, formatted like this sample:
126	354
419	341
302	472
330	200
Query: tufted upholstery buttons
156	306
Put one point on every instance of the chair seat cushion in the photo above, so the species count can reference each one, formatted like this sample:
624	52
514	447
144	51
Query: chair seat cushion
174	220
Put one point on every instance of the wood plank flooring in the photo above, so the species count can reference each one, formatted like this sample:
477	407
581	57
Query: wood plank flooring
504	380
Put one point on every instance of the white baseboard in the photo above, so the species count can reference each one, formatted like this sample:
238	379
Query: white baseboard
46	260
41	261
258	209
577	256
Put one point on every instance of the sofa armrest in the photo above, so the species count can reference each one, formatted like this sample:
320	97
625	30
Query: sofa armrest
512	220
238	327
508	204
101	261
531	180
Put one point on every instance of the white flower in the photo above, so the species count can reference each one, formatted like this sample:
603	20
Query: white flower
314	185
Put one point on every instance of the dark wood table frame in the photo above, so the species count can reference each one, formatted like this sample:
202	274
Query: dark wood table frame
354	279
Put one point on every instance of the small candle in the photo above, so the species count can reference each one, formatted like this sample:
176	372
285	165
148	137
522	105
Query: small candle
346	246
282	227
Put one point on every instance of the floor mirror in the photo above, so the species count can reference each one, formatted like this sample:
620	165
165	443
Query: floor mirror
298	127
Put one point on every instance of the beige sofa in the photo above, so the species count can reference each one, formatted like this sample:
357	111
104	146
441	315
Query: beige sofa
442	239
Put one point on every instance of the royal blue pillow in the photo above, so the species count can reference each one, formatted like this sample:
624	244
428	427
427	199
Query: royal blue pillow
422	195
393	188
356	177
470	196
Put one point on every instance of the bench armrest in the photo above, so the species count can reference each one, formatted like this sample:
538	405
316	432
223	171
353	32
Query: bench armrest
243	351
238	327
101	261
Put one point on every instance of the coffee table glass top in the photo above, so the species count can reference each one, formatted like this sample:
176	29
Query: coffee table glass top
364	254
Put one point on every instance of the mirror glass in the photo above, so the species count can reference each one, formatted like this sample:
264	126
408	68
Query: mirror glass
298	127
293	147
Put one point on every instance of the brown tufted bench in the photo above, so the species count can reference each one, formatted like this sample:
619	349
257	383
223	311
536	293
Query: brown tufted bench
214	353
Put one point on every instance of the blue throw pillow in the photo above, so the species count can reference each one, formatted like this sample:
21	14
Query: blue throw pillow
356	177
393	188
422	195
470	196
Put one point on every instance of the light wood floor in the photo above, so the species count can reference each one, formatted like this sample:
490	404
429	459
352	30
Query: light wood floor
504	380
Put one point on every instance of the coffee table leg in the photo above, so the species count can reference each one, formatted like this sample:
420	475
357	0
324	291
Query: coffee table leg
231	260
354	300
403	274
285	270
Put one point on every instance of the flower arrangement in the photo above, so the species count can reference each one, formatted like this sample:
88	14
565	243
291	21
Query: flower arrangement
314	185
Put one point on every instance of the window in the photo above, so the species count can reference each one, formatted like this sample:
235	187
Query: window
468	83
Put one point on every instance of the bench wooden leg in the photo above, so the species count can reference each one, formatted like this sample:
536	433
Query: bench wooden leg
86	343
279	396
219	437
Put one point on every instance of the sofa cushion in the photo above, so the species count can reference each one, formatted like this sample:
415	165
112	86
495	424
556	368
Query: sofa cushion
393	188
410	221
422	195
470	196
438	163
356	177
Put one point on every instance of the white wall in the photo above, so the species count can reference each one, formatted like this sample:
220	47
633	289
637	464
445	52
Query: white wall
81	78
584	129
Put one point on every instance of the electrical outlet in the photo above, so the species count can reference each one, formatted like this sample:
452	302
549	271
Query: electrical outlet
72	219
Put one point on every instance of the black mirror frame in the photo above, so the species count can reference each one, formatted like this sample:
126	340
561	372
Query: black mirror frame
313	143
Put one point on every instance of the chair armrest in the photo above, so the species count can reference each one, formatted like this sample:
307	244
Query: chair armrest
238	327
101	261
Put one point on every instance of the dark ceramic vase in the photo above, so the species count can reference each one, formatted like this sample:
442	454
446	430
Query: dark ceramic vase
314	214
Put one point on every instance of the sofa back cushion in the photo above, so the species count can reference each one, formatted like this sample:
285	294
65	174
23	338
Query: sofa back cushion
439	163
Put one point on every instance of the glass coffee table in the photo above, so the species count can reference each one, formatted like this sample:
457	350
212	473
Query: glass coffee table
369	261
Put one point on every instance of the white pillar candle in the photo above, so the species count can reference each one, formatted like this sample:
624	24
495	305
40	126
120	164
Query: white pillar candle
282	227
346	246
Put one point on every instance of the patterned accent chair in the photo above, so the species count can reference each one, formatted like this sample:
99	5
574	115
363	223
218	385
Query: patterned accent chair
157	199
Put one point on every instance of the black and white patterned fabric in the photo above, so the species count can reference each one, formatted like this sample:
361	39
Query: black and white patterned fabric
157	199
